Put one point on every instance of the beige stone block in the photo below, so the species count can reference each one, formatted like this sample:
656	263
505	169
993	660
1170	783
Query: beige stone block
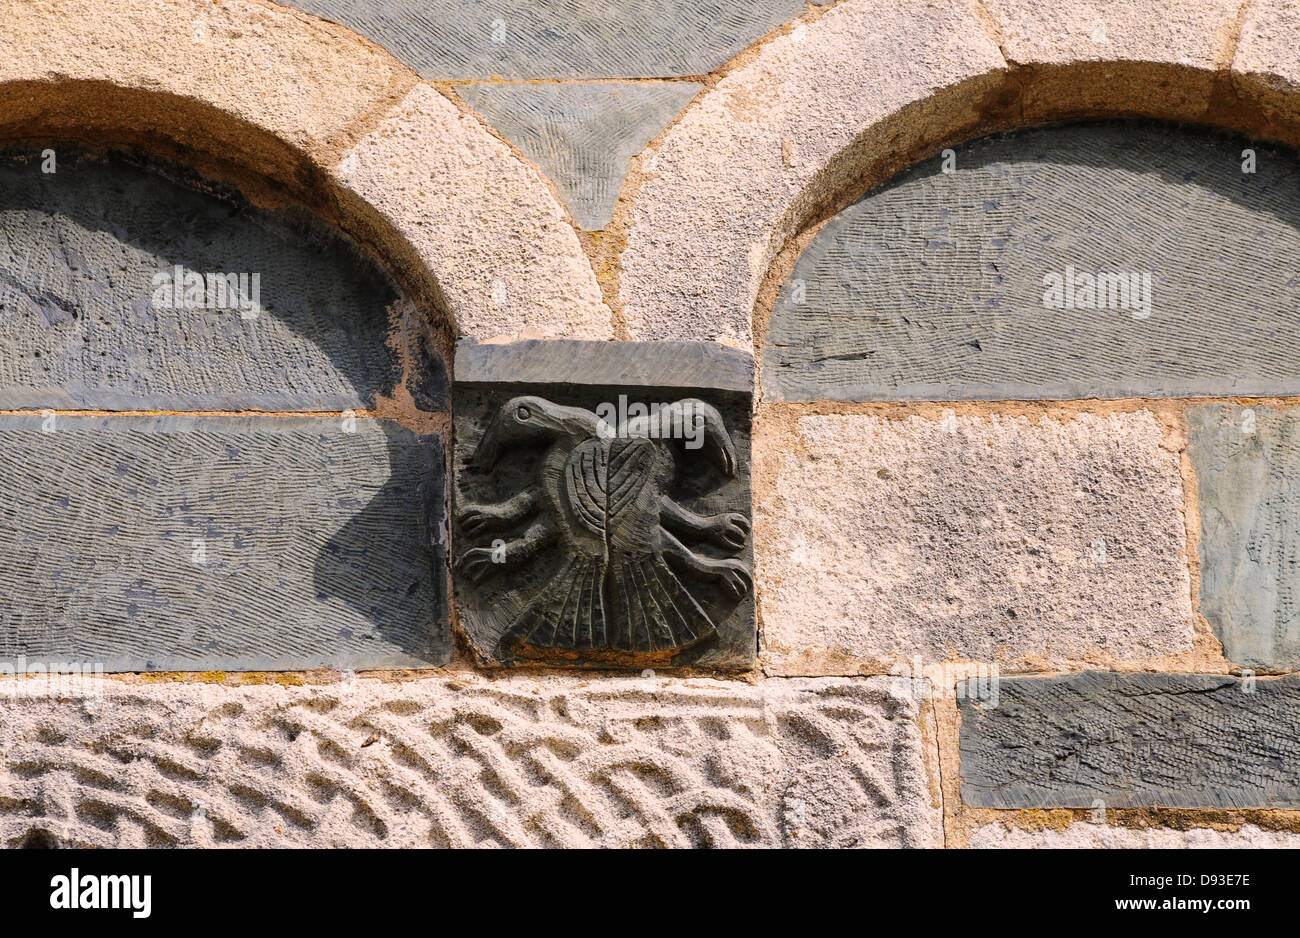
1115	56
729	183
1085	836
214	75
506	258
1029	542
1266	68
468	761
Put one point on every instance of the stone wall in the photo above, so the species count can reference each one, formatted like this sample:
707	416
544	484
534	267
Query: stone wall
1007	573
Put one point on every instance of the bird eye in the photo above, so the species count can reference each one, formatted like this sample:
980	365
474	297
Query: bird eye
523	413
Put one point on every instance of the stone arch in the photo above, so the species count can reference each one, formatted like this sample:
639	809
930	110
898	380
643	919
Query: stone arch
802	124
293	108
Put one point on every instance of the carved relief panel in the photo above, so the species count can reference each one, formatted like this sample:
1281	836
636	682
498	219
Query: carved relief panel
602	504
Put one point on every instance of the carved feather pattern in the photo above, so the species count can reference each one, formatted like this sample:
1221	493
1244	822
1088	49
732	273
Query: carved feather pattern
651	610
603	480
586	475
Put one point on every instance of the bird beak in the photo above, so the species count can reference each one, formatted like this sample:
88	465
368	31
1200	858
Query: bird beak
488	450
718	447
723	452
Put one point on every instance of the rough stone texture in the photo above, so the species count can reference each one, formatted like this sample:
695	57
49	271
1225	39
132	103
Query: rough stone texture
1247	464
574	362
583	135
79	327
1103	837
1134	740
471	762
1025	541
1266	66
731	181
267	70
450	39
1159	57
633	548
168	543
505	257
932	287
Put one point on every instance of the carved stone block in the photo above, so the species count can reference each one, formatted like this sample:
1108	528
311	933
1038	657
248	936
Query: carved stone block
520	761
602	504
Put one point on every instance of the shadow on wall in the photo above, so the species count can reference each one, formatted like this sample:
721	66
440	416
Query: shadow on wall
93	313
387	562
161	541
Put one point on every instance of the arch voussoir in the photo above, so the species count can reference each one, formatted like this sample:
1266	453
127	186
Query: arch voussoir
292	107
834	105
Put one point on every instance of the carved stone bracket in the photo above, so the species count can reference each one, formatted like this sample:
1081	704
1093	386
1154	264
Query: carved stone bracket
602	503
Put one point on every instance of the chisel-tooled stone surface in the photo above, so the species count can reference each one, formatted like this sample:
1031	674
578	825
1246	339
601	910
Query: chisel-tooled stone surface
1247	464
1134	740
450	39
934	286
468	762
100	307
242	543
1028	541
582	135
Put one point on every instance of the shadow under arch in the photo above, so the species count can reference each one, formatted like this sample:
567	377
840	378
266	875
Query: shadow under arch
80	330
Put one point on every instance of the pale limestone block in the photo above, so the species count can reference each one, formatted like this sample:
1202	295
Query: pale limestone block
1023	541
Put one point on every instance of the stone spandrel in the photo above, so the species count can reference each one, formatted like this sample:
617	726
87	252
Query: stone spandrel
582	134
602	503
221	543
513	39
467	762
1117	740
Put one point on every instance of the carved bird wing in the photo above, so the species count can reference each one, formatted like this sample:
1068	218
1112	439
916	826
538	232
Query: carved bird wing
629	599
603	480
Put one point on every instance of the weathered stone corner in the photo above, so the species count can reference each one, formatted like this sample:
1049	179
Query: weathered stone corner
602	503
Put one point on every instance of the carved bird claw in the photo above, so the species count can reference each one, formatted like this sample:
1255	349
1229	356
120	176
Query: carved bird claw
731	529
734	577
478	563
476	519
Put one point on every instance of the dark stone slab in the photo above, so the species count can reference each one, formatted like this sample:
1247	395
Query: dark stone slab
932	286
1247	464
452	39
582	134
80	322
622	544
233	543
583	363
1134	740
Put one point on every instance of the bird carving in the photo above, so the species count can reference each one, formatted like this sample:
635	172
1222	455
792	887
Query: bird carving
602	500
